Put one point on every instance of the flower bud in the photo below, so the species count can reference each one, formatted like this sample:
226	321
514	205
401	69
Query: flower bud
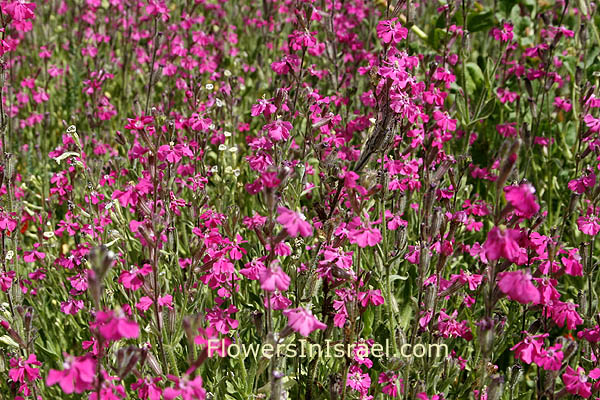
496	387
486	336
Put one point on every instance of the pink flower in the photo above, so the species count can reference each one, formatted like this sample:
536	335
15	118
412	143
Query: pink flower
19	10
147	388
279	130
505	34
277	302
572	263
502	243
303	321
562	312
114	327
273	278
588	225
77	375
592	123
23	371
517	286
134	279
523	200
444	121
390	380
294	223
529	348
390	31
550	358
372	296
578	383
358	380
186	388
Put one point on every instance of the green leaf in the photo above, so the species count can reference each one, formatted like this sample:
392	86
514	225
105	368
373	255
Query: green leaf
477	22
8	341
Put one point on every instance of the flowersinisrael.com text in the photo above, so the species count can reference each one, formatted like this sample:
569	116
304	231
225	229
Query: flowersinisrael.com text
329	350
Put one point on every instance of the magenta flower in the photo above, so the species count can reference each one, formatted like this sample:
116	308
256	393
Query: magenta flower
147	388
358	380
390	31
517	286
303	321
77	376
390	380
564	312
588	225
19	10
273	278
186	388
114	327
23	371
578	382
505	34
592	123
502	243
522	199
529	348
371	296
294	223
134	279
279	130
550	358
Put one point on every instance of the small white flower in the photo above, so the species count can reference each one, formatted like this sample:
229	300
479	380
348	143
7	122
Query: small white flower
226	133
228	169
236	172
49	234
214	169
9	255
233	149
227	73
219	103
209	86
222	147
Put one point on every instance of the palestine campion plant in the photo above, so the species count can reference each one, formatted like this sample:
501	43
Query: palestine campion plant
180	180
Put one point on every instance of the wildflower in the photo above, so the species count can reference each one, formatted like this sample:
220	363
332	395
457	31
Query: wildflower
23	371
503	35
522	199
77	376
390	381
134	279
529	348
390	31
186	388
303	321
147	388
550	358
274	278
19	10
294	223
358	380
517	286
592	123
371	296
589	225
279	130
564	312
502	243
578	382
114	326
